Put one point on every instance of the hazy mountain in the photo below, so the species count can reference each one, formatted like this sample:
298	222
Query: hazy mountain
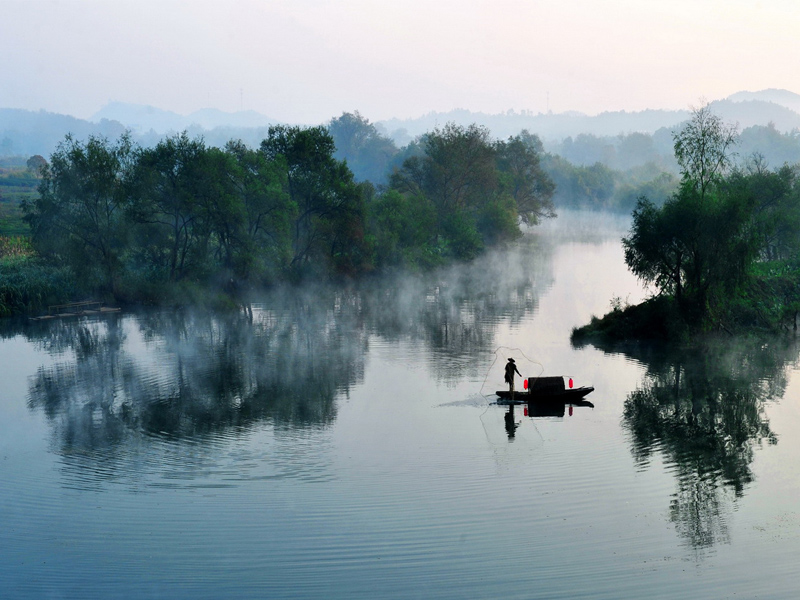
547	126
211	118
757	112
26	132
745	108
142	118
784	98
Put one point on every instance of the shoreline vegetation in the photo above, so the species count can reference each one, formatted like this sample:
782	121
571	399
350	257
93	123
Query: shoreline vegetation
722	253
184	223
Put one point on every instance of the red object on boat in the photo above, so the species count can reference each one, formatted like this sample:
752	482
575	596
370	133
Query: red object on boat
525	411
525	384
570	382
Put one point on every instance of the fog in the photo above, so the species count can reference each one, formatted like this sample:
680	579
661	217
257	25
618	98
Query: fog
357	420
167	394
303	62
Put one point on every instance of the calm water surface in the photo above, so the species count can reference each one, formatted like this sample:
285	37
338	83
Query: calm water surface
344	445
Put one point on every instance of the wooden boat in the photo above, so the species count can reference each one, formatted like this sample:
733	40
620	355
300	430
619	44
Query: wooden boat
545	389
75	309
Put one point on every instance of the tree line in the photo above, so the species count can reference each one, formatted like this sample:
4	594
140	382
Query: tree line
171	222
723	252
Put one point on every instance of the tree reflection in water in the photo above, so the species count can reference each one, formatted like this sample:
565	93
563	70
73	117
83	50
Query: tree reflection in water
184	375
703	410
455	312
284	361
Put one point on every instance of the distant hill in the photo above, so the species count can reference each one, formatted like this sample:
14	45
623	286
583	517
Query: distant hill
211	118
550	126
780	107
141	118
757	112
25	132
784	98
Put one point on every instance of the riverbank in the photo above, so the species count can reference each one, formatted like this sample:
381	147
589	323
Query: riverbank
767	305
656	319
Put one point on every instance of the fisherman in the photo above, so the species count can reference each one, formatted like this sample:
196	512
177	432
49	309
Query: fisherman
511	368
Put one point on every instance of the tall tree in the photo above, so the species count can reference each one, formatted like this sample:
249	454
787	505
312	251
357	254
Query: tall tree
700	244
368	153
479	187
324	191
262	188
78	218
521	172
167	189
703	149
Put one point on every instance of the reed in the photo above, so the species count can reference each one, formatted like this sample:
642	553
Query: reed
15	246
27	286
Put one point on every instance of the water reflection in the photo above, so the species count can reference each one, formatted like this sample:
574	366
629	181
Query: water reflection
455	312
196	379
703	411
282	362
555	409
511	423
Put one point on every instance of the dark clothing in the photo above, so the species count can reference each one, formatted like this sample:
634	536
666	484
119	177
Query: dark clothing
511	368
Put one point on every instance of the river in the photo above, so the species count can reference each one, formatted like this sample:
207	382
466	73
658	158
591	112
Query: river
342	443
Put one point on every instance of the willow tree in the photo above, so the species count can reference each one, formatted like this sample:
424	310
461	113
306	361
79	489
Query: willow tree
79	217
704	149
521	172
328	220
699	244
480	188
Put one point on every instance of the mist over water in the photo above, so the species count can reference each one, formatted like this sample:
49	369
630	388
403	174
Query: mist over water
341	443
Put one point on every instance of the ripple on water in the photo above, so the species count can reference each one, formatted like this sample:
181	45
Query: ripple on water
225	458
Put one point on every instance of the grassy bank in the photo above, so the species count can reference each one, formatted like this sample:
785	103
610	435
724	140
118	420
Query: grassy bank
28	286
655	319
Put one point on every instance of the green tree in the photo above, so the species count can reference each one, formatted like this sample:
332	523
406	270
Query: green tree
457	174
580	186
518	160
478	188
653	252
328	226
765	140
262	188
36	163
168	186
700	244
403	227
703	149
774	199
79	217
367	152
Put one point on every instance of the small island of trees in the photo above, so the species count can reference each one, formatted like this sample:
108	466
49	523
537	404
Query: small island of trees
722	253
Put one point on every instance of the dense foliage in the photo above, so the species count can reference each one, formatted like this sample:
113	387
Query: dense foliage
465	191
26	284
724	249
369	154
172	222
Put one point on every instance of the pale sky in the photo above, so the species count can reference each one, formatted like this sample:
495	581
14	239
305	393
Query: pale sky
306	61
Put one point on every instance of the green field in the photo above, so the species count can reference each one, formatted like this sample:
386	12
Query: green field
17	183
